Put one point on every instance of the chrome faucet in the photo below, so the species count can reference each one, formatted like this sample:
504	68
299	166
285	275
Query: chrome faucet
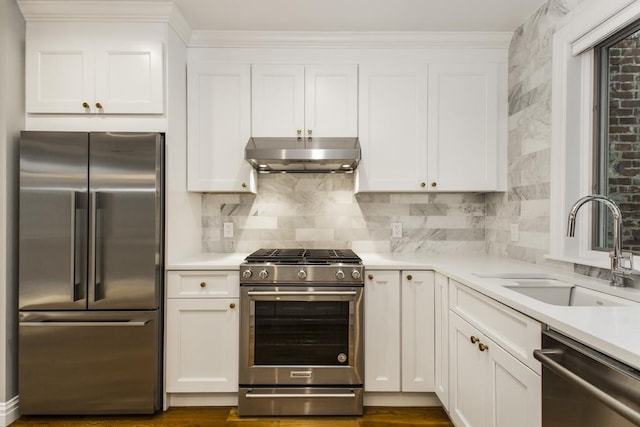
618	271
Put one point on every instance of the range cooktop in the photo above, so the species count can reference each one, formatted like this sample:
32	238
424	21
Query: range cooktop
299	266
304	256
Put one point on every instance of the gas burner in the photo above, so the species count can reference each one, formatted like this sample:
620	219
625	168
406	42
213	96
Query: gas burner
300	266
300	256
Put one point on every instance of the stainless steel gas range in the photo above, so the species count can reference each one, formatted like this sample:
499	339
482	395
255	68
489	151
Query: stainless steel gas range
301	333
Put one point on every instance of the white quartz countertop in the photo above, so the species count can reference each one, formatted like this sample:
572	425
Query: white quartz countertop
612	330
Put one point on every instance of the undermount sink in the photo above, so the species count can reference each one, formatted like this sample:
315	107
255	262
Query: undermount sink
557	292
546	289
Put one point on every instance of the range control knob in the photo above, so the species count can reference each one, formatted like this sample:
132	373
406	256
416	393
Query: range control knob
355	274
339	274
247	274
263	274
302	274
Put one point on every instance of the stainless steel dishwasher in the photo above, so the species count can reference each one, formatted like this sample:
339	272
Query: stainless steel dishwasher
585	388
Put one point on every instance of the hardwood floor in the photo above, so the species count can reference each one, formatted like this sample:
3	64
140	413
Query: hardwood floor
204	417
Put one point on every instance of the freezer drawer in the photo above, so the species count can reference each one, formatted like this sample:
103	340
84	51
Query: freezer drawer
89	363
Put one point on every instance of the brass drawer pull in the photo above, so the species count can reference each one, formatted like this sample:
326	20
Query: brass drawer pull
203	284
474	339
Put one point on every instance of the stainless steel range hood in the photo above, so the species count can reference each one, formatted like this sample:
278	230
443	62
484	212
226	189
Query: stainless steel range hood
303	155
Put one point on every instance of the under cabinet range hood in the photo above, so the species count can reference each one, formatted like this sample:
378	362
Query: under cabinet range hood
303	155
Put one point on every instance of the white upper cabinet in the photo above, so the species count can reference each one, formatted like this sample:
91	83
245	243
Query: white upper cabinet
219	125
309	100
435	127
59	77
463	127
393	127
94	76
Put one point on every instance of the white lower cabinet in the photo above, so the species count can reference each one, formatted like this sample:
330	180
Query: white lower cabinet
399	315
417	319
202	332
382	331
441	337
489	387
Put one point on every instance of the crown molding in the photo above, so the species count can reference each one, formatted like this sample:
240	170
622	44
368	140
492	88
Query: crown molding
105	11
349	39
168	12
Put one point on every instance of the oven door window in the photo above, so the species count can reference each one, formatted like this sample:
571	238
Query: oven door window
302	332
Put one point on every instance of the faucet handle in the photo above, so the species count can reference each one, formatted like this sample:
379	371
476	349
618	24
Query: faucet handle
626	260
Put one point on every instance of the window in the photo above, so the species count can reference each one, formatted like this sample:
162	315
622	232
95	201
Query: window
617	137
587	27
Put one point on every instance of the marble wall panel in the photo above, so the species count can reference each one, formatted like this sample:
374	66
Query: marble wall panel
320	210
526	202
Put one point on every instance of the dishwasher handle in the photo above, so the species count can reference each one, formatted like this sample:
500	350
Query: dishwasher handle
544	357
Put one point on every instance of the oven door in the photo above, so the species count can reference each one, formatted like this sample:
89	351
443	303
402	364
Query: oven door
301	335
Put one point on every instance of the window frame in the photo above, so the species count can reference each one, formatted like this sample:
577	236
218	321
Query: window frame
601	110
572	135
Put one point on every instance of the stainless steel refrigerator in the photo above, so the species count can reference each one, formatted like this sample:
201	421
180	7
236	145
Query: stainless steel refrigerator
90	272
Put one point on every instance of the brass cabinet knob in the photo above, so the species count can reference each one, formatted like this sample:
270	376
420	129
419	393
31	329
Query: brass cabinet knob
434	184
409	277
98	106
309	131
299	131
232	305
483	347
474	339
244	185
423	184
203	284
85	105
370	277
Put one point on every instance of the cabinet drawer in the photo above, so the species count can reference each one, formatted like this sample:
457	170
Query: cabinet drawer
203	284
513	331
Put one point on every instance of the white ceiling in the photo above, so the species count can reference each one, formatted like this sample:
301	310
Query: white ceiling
357	15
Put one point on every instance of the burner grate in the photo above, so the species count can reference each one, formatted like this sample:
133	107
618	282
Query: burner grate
311	256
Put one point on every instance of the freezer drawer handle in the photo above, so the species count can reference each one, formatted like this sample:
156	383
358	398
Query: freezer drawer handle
43	323
301	395
544	357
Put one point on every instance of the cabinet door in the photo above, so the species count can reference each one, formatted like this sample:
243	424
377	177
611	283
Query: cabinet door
469	369
489	387
463	127
59	76
277	96
418	331
129	78
219	103
515	391
202	345
393	127
331	100
382	331
442	339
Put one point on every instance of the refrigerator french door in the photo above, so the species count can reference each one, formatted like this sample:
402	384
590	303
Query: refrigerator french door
90	272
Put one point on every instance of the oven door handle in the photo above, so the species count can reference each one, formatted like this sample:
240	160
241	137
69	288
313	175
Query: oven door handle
301	395
301	293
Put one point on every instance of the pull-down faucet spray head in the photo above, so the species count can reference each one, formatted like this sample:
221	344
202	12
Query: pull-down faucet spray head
617	271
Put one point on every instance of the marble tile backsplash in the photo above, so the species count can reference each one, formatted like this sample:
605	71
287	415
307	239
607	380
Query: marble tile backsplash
526	202
321	211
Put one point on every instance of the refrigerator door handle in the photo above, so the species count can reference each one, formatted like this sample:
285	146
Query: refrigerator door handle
75	324
95	266
74	250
